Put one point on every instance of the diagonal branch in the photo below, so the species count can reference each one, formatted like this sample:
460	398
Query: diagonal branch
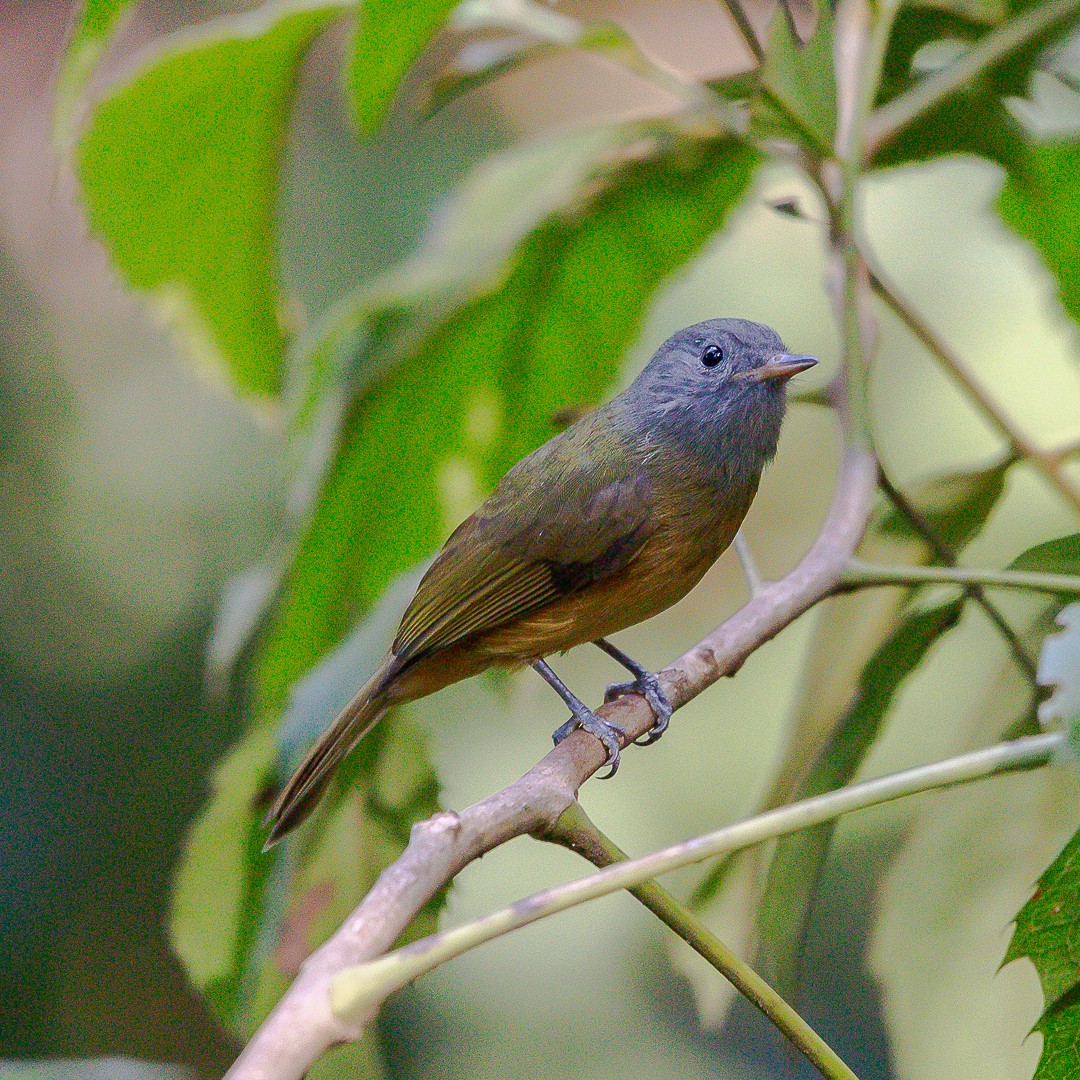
302	1025
1049	462
889	119
576	831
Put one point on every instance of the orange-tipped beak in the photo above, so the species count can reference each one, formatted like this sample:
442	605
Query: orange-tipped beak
781	366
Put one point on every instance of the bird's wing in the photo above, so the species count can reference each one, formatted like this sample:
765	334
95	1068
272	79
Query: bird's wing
551	528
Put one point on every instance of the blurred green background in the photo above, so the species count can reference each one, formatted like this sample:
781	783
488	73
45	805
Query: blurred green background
132	490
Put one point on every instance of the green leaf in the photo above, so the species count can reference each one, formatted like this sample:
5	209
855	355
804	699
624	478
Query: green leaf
1048	933
241	920
975	119
389	37
798	82
955	507
1060	556
1041	203
851	630
179	170
91	31
431	434
464	255
796	866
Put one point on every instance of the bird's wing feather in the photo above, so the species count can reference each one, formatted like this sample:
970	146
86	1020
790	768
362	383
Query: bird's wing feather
547	531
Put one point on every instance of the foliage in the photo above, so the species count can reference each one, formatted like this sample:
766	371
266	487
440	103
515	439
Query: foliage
408	399
1046	933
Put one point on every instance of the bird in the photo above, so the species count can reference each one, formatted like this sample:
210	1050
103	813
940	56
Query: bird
606	524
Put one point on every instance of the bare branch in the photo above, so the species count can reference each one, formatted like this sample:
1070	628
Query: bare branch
1049	462
302	1025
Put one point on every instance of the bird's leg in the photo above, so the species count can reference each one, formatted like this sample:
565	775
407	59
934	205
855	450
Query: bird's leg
646	684
583	717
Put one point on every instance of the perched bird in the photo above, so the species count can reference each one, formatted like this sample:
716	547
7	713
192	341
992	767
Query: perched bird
608	523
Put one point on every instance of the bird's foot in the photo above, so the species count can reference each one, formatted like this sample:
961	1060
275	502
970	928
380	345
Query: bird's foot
609	734
648	686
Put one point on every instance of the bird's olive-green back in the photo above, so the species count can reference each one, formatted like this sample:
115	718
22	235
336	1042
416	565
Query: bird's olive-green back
573	512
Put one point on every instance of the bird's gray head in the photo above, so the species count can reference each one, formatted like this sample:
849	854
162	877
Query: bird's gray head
718	387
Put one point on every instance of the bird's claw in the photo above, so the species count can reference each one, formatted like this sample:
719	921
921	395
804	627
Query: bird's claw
609	734
648	686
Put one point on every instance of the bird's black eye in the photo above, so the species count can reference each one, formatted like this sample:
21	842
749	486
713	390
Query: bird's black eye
712	356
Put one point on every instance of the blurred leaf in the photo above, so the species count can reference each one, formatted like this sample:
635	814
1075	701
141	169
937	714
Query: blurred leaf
179	169
975	119
796	866
1048	934
481	62
955	507
542	33
1041	203
242	920
799	81
966	862
462	255
850	631
220	889
1060	556
429	435
389	37
92	29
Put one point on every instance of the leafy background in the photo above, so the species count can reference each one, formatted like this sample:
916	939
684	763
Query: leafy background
135	490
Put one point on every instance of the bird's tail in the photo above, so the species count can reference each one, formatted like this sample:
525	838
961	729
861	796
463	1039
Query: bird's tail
306	785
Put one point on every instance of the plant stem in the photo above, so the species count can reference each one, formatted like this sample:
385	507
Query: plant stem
749	567
946	555
1049	463
930	91
746	30
862	575
575	830
356	990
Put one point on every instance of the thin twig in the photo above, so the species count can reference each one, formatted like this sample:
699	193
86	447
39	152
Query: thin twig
575	830
749	567
931	90
862	575
746	29
1049	463
302	1026
357	992
945	554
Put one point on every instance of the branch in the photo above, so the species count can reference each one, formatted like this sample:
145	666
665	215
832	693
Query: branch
302	1025
746	30
753	576
863	575
361	990
932	90
947	556
576	831
1049	463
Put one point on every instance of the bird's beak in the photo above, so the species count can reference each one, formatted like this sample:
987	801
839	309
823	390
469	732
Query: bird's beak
780	367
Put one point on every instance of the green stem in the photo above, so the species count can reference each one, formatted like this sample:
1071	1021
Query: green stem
356	991
862	575
930	91
575	830
1050	463
746	31
946	555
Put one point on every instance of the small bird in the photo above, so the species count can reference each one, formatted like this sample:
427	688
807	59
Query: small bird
608	523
